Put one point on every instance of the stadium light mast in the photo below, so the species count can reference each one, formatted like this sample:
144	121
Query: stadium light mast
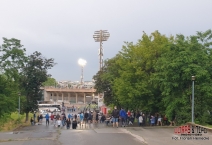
100	36
82	63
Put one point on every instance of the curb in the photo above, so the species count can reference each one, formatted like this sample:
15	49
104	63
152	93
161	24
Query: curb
17	128
194	124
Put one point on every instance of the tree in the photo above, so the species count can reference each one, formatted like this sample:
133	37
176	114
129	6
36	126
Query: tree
187	57
155	75
50	82
133	86
104	81
8	96
33	75
12	59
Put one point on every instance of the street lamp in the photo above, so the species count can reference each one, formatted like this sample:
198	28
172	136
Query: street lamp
82	63
192	113
19	103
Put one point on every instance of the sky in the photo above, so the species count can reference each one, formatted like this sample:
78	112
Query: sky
63	29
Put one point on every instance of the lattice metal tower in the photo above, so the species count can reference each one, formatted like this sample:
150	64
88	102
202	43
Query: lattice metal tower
100	36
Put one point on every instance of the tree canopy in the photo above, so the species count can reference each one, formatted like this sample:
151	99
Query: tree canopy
21	75
50	82
154	75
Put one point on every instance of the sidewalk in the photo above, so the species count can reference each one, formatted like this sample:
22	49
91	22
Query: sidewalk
165	136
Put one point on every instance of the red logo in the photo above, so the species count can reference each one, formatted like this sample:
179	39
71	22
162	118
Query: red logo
185	129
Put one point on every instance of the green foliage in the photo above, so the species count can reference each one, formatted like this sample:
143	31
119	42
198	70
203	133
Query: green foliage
21	75
154	75
8	96
50	82
33	75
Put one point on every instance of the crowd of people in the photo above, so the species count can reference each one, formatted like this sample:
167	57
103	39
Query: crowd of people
130	117
70	119
117	116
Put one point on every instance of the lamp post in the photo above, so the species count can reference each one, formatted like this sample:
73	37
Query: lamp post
82	63
192	109
19	103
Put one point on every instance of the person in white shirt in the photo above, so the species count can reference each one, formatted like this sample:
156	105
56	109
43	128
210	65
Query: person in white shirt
140	119
59	123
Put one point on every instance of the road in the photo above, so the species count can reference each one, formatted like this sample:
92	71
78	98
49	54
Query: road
96	134
89	135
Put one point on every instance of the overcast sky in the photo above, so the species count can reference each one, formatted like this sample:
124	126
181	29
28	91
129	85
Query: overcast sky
63	29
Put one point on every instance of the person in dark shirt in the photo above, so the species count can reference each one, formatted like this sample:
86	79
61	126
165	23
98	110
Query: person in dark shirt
115	117
74	124
68	122
86	117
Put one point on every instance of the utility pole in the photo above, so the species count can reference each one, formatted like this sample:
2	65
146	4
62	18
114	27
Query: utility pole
100	36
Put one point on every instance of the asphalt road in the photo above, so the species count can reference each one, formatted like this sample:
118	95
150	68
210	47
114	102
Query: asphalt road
45	135
83	135
97	134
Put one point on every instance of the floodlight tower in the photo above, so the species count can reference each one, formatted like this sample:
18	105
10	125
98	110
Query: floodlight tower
82	63
100	36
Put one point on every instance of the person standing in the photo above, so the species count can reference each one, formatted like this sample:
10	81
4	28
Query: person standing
152	120
38	119
59	123
81	118
47	119
68	122
123	116
115	116
69	116
52	117
94	117
32	121
41	118
74	124
144	120
55	119
132	116
34	115
86	117
140	119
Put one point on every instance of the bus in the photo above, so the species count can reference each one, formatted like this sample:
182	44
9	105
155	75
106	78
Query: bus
49	107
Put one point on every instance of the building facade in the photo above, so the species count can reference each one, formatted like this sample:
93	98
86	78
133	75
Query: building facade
70	95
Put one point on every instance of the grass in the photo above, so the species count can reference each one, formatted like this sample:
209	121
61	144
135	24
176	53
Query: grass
13	121
210	126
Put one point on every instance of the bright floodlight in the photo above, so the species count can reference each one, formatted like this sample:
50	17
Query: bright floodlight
82	62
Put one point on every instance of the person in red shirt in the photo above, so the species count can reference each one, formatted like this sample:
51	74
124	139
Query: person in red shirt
52	117
128	116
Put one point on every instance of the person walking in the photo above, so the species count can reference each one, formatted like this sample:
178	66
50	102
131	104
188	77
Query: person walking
47	119
115	116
